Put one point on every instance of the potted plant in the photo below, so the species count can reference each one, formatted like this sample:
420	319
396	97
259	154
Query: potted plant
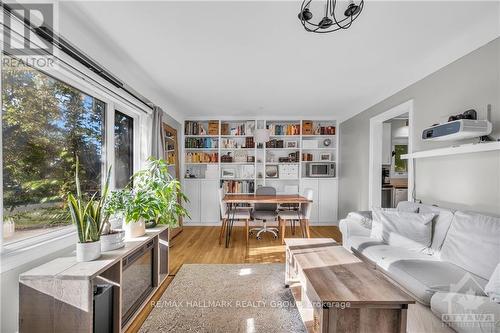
112	239
88	217
154	199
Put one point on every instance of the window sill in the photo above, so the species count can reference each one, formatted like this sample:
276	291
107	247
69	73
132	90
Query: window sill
24	251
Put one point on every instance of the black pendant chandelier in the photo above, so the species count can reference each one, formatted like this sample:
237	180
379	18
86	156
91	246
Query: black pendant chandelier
330	21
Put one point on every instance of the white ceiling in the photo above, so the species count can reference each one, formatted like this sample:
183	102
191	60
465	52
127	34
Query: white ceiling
234	58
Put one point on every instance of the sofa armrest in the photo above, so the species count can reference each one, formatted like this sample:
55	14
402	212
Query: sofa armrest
364	216
352	226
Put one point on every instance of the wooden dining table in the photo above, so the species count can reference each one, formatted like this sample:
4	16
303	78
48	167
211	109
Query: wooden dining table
232	200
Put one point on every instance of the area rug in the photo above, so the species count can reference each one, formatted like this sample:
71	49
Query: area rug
247	298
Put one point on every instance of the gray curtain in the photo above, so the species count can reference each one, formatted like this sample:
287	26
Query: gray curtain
157	135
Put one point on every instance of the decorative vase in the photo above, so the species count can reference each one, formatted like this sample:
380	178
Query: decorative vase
134	228
88	251
112	241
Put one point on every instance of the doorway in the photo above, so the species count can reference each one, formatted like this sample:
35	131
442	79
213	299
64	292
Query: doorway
390	176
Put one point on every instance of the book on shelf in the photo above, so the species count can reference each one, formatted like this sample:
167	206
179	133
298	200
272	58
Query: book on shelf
198	128
238	186
201	143
288	129
202	157
242	129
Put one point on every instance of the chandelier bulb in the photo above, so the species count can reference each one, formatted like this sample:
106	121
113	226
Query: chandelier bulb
305	15
351	10
325	23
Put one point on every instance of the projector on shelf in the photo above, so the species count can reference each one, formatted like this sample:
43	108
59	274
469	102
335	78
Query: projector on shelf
457	130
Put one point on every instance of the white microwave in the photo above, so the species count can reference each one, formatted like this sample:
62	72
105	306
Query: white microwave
320	169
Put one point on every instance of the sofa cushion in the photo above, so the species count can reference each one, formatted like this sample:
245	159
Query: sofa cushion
440	224
423	278
382	254
412	231
473	243
458	310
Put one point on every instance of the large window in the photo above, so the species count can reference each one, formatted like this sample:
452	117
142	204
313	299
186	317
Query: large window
46	124
124	145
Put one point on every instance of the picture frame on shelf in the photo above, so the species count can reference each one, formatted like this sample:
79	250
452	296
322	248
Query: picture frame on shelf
228	173
272	171
325	157
291	144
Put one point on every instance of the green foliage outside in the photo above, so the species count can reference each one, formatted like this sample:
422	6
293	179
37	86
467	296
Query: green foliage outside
45	124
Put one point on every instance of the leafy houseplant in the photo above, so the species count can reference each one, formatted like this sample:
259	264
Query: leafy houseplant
89	218
155	197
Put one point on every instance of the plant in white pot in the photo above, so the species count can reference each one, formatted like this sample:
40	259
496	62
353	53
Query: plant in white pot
88	217
156	198
112	239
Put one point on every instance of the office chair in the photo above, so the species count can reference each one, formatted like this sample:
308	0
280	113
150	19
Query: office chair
265	212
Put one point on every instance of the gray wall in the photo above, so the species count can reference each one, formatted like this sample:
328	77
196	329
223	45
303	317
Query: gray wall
470	181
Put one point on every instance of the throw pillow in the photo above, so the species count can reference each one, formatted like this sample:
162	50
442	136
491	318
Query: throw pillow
376	225
412	231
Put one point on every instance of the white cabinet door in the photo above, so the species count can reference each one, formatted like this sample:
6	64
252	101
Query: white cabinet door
192	190
328	200
313	185
400	194
386	144
209	197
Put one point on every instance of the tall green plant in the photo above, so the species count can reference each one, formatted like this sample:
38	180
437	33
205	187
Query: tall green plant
88	217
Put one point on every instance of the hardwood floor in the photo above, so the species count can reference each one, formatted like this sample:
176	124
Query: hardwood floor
200	245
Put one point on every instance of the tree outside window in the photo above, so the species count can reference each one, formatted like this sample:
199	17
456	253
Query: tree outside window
46	123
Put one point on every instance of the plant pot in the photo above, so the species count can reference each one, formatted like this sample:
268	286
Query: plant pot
134	228
88	251
116	221
112	241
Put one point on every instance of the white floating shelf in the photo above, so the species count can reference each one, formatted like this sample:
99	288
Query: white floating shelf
454	150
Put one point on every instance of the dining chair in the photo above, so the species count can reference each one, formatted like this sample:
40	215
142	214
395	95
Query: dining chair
240	214
302	215
265	212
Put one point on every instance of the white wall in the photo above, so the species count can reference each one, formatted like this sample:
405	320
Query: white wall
9	286
469	182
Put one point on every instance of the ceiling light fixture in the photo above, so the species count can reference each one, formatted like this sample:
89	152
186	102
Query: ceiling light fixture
329	22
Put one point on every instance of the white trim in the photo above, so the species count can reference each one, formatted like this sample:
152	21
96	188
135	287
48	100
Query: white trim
27	253
454	150
375	157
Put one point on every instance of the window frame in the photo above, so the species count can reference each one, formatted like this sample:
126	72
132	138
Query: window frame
18	252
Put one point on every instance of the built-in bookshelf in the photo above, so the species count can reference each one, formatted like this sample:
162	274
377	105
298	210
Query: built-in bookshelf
225	151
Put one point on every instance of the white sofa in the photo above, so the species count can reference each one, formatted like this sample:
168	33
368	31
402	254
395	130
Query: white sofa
448	278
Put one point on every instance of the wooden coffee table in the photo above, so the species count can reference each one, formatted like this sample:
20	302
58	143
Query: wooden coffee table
336	292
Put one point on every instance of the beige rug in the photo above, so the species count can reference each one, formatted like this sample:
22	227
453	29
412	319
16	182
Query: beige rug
246	298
